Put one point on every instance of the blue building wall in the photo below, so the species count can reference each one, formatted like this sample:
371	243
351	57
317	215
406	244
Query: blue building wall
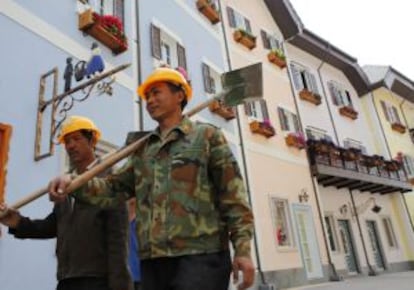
201	39
31	51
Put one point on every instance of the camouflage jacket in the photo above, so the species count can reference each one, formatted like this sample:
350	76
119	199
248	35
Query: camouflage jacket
190	194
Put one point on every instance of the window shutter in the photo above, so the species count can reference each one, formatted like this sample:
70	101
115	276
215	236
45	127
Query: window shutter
247	109
346	144
296	123
181	56
281	118
311	81
348	97
263	107
230	15
119	10
155	42
248	27
384	108
206	78
333	91
266	43
397	117
297	80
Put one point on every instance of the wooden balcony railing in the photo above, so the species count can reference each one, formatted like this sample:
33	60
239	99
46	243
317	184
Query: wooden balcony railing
342	167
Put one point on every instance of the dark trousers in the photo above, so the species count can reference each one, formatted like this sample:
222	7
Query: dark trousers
87	283
192	272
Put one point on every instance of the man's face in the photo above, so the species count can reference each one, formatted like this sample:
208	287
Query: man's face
78	147
162	102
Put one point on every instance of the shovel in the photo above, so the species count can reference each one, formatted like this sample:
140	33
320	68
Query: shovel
239	86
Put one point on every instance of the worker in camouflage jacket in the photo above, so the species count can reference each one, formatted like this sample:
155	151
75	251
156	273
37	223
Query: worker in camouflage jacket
191	200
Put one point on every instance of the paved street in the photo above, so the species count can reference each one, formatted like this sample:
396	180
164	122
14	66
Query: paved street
400	281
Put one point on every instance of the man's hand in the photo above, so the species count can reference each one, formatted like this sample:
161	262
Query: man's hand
57	188
245	265
11	216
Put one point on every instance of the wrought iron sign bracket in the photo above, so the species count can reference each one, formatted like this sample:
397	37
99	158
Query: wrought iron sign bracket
61	104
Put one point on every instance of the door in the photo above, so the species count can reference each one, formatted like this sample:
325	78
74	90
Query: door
307	241
348	246
375	243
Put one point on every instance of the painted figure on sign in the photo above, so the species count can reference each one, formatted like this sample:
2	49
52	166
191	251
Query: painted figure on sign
95	63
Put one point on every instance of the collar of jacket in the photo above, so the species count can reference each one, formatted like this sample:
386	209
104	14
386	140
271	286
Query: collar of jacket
185	127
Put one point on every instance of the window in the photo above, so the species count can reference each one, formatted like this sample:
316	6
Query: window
340	96
166	49
391	113
270	41
351	143
288	120
389	232
211	79
283	231
317	134
303	79
257	110
331	231
107	7
236	20
408	162
5	134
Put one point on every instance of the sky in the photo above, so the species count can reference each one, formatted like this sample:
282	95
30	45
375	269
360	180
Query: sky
375	32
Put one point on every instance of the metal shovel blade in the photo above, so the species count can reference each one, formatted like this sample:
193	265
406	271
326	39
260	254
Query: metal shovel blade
242	85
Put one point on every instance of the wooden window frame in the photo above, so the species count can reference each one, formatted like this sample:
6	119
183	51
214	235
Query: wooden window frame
5	132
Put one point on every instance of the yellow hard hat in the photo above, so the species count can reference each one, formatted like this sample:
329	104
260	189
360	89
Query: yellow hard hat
75	123
164	74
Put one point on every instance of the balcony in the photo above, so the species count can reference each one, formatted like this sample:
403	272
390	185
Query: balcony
106	29
245	38
262	128
400	128
209	10
225	112
349	168
349	112
309	96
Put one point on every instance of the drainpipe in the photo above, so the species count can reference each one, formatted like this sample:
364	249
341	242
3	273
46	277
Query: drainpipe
139	66
333	275
242	149
371	271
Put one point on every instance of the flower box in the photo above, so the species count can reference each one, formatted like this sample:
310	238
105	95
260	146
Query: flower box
351	154
94	25
349	112
392	165
224	111
398	127
245	38
276	59
307	95
262	128
295	140
373	161
209	10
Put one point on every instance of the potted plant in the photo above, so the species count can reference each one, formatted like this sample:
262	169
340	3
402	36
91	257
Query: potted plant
309	96
222	110
277	57
351	154
397	126
264	128
209	10
107	29
242	36
296	139
348	111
